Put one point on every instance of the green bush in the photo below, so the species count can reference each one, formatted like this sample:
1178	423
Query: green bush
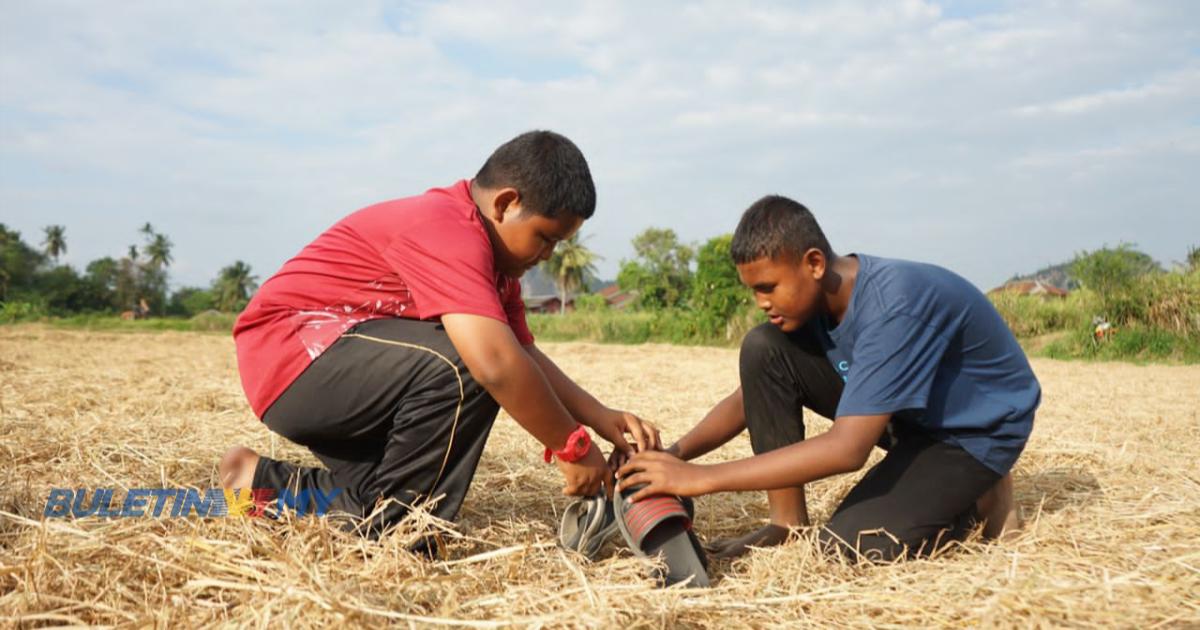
717	291
600	326
1033	316
1115	276
1172	302
1161	322
1133	343
741	323
661	272
677	326
23	311
213	321
190	301
590	303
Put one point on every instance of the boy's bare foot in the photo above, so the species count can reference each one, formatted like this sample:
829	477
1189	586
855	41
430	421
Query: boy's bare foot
998	510
237	467
767	536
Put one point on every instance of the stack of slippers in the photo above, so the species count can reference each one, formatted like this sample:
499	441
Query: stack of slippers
657	526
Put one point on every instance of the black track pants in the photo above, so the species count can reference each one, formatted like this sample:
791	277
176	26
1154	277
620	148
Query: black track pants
921	496
393	413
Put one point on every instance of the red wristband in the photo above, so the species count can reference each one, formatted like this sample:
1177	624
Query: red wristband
578	445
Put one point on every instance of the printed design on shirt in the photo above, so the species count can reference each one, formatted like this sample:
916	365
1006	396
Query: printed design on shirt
317	329
843	368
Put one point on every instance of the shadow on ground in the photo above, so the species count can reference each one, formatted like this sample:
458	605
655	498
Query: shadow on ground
1056	489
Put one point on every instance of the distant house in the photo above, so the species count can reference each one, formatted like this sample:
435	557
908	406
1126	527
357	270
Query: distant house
615	297
1030	287
547	303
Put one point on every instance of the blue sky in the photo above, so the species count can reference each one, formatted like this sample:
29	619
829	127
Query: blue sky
991	138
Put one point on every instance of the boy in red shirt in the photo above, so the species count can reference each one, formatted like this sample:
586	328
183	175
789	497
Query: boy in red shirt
388	344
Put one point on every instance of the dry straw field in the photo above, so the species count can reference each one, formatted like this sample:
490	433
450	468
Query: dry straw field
1109	487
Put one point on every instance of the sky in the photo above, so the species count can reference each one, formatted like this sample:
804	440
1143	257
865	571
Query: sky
988	137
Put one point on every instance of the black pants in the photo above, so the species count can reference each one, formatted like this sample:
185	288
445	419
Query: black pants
921	496
393	413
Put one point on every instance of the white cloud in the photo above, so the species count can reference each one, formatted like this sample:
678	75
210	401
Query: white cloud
1182	85
242	130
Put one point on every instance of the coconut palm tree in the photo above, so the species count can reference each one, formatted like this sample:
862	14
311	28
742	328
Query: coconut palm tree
159	251
233	285
56	241
570	265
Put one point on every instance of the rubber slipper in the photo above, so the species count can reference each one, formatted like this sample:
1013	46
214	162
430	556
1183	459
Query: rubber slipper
578	517
605	529
587	524
661	526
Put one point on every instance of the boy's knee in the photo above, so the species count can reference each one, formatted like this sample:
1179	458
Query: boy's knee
762	338
758	346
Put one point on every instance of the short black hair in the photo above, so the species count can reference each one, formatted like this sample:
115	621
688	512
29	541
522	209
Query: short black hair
547	169
774	227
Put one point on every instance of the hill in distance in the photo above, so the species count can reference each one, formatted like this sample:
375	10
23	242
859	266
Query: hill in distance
1058	276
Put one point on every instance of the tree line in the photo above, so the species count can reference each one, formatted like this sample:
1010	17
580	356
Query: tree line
691	294
684	292
697	286
33	281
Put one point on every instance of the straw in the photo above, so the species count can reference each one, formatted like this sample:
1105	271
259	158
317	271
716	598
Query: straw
1108	486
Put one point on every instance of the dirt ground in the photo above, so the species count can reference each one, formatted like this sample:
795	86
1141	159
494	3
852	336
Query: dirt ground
1109	488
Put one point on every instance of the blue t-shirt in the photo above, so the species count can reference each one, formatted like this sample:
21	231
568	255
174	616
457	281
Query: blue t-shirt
922	343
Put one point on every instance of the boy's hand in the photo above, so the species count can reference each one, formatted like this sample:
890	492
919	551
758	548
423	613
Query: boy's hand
663	473
614	424
617	459
585	477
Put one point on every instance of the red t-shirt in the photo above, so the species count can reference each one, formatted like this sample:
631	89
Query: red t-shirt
417	258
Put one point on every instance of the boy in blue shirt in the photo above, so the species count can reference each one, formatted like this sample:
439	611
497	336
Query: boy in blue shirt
904	355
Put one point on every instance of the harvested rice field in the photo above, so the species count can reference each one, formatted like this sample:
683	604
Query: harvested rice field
1109	488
